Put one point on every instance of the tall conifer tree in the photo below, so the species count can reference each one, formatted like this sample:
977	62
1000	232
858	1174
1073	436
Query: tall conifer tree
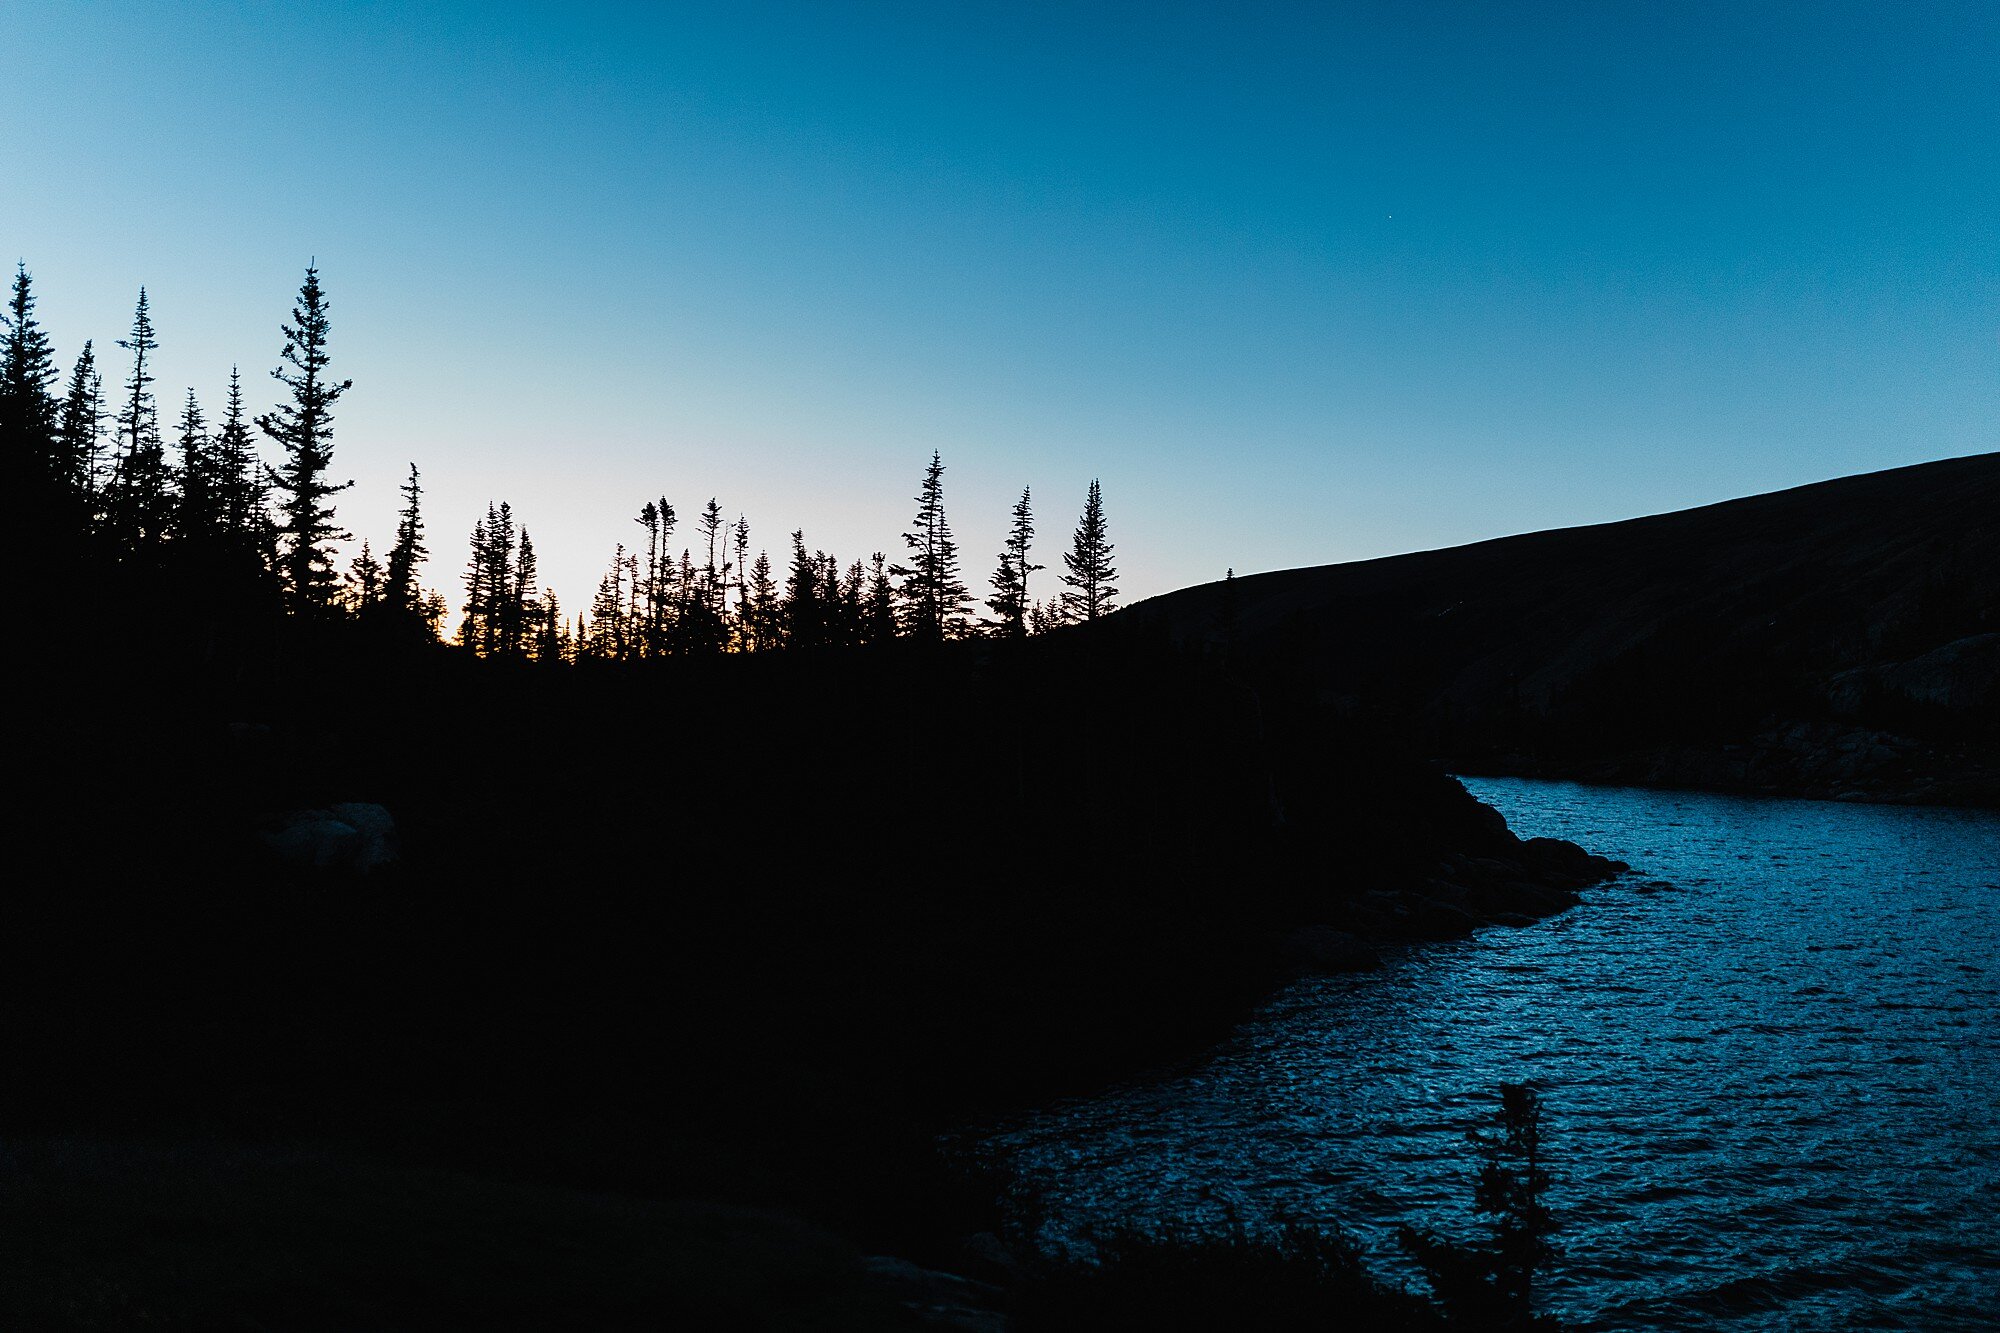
493	591
28	408
81	427
365	582
1090	576
741	537
878	611
1009	602
239	475
139	499
518	616
805	609
933	596
198	508
716	573
761	598
478	596
549	641
408	551
609	634
304	427
652	593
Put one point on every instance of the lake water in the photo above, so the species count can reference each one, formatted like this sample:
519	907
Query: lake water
1769	1061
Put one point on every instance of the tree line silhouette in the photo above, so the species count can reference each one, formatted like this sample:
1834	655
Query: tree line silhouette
258	537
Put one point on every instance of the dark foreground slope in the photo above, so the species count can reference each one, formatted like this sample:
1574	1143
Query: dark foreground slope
679	975
1835	639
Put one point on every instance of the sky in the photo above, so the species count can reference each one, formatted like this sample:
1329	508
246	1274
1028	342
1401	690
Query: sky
1300	283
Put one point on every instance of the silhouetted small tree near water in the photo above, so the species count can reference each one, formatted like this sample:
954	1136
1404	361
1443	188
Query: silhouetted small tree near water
1312	1276
1490	1282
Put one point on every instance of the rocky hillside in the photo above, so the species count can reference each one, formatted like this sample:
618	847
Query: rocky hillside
1837	639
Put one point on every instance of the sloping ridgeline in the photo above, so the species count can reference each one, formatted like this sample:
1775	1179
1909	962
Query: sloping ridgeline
1838	639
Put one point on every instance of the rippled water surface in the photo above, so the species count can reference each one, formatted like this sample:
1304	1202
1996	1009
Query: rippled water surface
1770	1060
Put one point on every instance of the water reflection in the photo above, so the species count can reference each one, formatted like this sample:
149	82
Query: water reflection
1769	1059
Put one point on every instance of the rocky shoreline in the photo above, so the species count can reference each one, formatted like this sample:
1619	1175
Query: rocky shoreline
970	1286
1818	761
1463	894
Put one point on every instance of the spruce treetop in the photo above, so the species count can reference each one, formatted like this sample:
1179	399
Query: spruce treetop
304	427
1090	576
28	407
409	550
81	425
139	500
1009	602
932	594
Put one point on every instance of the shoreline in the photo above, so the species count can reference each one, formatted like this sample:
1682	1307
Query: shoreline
1737	771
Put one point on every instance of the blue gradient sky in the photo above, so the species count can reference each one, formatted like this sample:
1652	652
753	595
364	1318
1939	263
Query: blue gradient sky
1301	283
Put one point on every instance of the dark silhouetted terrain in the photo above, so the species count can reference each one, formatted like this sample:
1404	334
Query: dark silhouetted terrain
1836	639
734	934
613	970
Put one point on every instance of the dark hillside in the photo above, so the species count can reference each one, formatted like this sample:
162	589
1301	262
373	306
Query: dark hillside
741	933
1837	638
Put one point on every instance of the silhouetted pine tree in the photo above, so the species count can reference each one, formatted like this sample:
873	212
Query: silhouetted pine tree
878	609
519	610
763	617
304	427
1009	602
804	610
200	515
1490	1283
239	474
740	624
408	551
434	609
138	499
608	634
932	595
549	641
653	591
702	605
681	613
478	599
28	408
365	584
854	604
492	622
1092	581
828	570
628	580
709	528
80	429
